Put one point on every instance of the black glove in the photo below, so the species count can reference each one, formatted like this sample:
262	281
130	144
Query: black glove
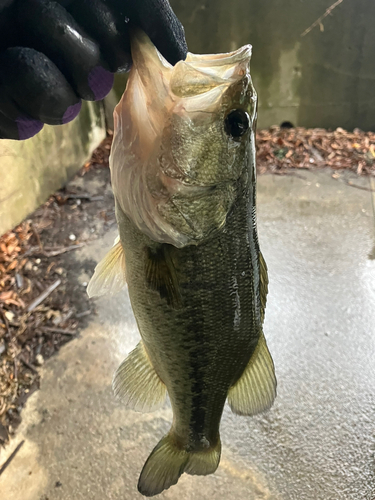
55	53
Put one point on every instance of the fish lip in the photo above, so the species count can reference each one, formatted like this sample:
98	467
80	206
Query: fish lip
242	54
203	75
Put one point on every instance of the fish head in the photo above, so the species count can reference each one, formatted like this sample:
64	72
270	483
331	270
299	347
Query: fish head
183	136
208	133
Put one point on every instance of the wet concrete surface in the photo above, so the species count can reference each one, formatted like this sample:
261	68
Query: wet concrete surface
317	442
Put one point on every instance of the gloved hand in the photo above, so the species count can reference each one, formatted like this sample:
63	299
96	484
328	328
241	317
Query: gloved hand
55	53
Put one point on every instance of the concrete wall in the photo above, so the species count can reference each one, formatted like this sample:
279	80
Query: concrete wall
324	79
31	170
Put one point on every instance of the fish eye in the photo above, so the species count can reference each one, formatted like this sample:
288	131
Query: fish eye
236	123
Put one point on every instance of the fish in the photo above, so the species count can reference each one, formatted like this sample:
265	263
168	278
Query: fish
183	174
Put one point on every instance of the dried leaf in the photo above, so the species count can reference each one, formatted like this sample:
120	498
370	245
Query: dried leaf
6	295
12	266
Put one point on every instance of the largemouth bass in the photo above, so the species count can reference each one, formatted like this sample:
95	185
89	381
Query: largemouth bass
184	179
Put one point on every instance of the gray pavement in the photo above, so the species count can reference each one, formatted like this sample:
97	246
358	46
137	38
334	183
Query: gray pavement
317	442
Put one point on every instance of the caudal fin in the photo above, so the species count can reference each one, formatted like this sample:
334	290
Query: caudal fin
167	462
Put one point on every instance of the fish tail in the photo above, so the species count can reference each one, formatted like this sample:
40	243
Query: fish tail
168	461
204	462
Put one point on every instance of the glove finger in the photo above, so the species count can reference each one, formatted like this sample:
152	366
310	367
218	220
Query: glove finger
22	128
9	34
30	84
108	29
158	20
52	30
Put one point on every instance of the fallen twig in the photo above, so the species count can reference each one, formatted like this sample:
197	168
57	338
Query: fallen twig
83	313
35	303
37	237
8	461
19	280
364	188
82	196
29	365
57	330
4	434
5	319
318	21
52	252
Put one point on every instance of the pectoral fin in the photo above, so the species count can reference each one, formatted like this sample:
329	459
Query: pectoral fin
109	276
137	384
255	391
161	275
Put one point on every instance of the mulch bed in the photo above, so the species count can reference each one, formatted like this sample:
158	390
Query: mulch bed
41	304
281	151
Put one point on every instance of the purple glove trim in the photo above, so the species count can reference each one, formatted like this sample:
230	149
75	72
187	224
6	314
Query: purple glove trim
28	127
72	112
100	82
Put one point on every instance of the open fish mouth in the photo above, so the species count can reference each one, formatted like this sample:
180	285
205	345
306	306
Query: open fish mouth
201	73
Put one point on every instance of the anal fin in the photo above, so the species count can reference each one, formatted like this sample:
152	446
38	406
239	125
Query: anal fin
109	276
255	391
137	384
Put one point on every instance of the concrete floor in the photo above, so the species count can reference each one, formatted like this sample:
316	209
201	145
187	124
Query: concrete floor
316	443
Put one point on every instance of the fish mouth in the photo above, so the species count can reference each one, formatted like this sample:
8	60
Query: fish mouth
232	59
195	75
200	74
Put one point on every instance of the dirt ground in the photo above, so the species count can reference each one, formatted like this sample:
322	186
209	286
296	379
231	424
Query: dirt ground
43	301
